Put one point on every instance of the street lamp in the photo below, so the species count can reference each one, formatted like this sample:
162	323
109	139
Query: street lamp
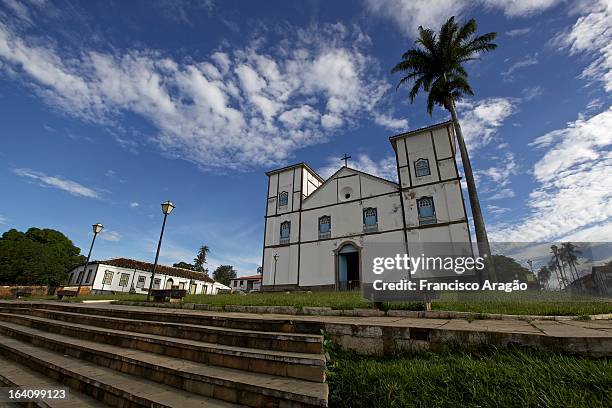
274	281
167	208
97	228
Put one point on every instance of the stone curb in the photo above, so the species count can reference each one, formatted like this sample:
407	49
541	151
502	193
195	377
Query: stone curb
328	311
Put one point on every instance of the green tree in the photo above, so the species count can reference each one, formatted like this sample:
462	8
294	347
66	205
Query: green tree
37	257
224	274
569	255
184	265
437	66
508	269
200	259
544	275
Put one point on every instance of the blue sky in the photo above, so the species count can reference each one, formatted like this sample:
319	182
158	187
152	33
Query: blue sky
109	108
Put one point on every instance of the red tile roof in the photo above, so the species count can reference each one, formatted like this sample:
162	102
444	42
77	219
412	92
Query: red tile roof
163	269
252	277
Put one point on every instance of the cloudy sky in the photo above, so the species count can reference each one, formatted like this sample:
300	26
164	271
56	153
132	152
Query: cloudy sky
109	108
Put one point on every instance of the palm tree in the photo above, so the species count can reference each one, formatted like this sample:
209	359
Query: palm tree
552	265
436	66
569	253
544	276
200	259
558	262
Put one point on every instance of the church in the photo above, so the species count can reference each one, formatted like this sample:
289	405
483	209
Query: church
315	229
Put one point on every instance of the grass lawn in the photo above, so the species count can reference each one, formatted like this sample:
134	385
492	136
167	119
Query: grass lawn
493	378
549	303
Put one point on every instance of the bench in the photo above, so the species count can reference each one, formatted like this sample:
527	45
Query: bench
162	295
21	292
65	293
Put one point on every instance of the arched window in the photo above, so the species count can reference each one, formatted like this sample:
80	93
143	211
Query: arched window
285	230
324	227
421	168
370	219
283	199
427	212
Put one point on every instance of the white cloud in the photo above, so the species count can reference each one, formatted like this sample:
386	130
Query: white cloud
501	174
112	236
391	123
3	220
238	109
575	184
523	63
480	120
408	15
518	31
70	186
501	194
385	168
521	8
591	34
497	210
134	205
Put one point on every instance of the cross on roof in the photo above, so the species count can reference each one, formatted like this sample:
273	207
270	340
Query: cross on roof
345	158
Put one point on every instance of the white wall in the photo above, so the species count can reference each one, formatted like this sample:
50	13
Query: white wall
114	286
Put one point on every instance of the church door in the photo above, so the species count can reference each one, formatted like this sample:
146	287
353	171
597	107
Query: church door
348	268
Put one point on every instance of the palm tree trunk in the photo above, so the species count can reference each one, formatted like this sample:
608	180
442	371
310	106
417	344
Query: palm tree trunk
479	225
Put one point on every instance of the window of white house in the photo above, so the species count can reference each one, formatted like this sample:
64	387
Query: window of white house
421	168
427	212
88	275
156	283
324	227
370	219
283	199
141	282
285	229
125	278
108	278
235	283
181	285
80	278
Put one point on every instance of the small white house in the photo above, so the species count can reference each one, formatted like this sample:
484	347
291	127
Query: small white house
246	283
128	275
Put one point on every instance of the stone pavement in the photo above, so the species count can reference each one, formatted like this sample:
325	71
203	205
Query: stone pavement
379	334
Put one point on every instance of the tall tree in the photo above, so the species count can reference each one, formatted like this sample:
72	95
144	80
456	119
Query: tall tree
437	66
37	257
184	265
558	261
569	254
200	259
224	274
544	276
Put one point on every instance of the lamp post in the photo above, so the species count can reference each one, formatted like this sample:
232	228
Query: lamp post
97	228
167	208
274	281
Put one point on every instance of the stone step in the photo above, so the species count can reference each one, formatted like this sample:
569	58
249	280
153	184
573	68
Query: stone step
243	322
13	374
236	386
112	388
292	342
309	367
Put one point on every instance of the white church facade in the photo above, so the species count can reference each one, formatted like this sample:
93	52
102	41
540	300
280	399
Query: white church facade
315	229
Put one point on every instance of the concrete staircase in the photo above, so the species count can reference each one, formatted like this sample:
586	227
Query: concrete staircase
140	358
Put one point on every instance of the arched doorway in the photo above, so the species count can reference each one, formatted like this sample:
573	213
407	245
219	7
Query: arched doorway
169	283
348	267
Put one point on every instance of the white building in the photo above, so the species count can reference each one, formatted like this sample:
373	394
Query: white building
246	283
315	229
124	275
